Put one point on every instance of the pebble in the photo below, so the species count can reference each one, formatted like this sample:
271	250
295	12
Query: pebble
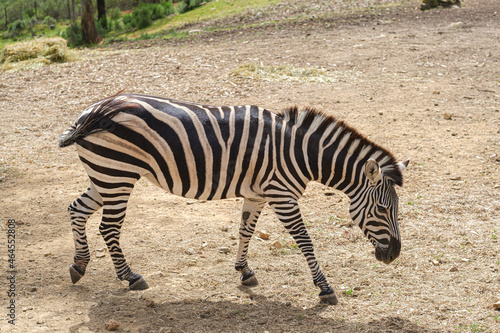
190	251
496	305
455	25
33	289
264	235
225	228
46	254
435	262
454	269
100	253
224	250
448	116
150	303
111	325
277	245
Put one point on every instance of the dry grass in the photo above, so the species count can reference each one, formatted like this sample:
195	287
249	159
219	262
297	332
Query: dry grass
288	73
35	53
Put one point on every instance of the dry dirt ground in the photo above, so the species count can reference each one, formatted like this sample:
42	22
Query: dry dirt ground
421	84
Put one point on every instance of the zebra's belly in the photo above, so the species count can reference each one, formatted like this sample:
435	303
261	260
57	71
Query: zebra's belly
244	191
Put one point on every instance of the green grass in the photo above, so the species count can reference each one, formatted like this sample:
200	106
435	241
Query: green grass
210	11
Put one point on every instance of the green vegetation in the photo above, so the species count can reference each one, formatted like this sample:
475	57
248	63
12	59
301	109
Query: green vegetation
126	19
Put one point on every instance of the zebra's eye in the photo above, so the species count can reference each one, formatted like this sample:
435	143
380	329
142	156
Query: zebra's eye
382	209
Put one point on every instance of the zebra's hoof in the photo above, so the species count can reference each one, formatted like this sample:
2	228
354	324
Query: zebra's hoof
328	297
249	280
138	284
75	273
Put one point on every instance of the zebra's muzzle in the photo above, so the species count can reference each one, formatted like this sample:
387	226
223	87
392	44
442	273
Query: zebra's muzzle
389	253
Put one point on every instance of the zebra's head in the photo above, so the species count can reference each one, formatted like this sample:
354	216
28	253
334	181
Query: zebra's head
375	210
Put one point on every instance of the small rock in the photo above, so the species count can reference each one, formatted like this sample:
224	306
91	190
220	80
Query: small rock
380	113
224	250
100	253
264	235
448	116
33	289
454	269
456	25
329	193
111	325
496	305
277	245
190	251
150	303
456	178
435	92
225	228
46	254
356	288
435	262
190	202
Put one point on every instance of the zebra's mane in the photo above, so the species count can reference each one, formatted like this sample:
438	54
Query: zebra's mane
320	123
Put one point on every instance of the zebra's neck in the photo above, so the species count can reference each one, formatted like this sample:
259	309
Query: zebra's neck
331	152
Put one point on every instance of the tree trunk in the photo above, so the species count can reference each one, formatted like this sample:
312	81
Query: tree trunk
69	11
89	31
101	13
5	11
73	11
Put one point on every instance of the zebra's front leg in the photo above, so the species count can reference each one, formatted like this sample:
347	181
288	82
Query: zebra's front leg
113	216
80	211
289	214
249	216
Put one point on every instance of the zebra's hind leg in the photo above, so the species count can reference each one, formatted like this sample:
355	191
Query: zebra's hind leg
249	216
80	211
289	214
113	215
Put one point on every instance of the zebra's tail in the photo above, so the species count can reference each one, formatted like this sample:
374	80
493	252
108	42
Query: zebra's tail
98	119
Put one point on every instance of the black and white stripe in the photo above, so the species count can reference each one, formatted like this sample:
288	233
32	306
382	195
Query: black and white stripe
217	152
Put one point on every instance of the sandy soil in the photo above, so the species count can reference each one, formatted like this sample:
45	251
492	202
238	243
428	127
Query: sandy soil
421	84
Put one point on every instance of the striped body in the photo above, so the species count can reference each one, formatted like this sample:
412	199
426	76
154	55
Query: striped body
209	153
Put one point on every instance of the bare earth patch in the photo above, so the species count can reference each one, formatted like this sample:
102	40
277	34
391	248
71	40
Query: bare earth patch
425	86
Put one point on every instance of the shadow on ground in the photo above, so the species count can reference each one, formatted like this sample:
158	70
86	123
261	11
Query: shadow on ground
135	313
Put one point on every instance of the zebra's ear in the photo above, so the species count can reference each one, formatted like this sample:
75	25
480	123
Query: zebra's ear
403	165
372	170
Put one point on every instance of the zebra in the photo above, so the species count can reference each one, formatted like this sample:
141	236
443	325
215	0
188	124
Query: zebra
216	152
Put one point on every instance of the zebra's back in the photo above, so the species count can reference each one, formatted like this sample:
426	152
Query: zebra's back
191	150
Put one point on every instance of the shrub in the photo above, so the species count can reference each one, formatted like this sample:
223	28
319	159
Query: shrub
158	11
99	24
73	34
49	21
129	21
169	7
115	13
143	16
17	26
182	7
